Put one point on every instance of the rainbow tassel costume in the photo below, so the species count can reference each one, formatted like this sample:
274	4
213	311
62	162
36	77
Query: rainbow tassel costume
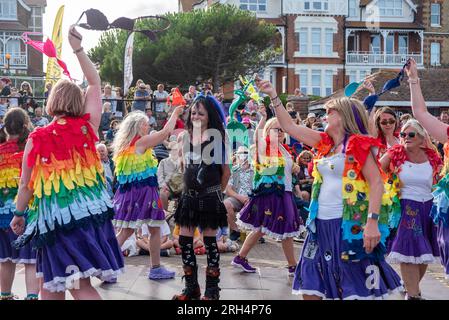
137	201
355	196
440	209
10	168
271	209
67	181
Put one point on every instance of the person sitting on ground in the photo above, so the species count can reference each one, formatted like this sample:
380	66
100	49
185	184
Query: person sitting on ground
143	240
198	244
239	187
169	177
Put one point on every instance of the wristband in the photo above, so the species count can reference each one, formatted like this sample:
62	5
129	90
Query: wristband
79	50
373	216
272	99
19	213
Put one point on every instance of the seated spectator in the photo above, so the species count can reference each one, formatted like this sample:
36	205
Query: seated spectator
198	244
239	187
161	151
304	178
108	166
191	95
224	244
113	128
39	120
144	238
109	96
169	176
14	98
152	122
106	119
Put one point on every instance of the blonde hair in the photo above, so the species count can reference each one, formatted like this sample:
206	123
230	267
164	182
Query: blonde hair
414	124
30	89
128	130
346	108
270	124
107	105
66	99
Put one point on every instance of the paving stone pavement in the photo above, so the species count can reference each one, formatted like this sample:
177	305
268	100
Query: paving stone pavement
270	283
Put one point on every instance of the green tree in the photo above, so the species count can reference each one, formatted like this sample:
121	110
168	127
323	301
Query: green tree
219	44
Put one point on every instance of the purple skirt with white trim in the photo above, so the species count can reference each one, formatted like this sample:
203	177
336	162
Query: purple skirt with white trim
322	273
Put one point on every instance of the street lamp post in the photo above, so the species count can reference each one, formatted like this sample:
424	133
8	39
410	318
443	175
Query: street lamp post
8	59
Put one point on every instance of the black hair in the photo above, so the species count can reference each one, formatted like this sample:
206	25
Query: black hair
16	123
215	121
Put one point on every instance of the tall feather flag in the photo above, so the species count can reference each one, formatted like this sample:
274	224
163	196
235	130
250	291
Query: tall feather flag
128	64
53	70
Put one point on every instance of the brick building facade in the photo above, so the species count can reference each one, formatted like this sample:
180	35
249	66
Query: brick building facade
17	17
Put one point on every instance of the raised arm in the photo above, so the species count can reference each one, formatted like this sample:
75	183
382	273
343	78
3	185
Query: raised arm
308	136
435	127
93	103
150	141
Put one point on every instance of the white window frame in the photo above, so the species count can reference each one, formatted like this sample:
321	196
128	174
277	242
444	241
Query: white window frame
312	5
11	6
308	47
328	82
371	47
435	14
388	8
328	41
399	44
35	17
352	76
392	37
352	8
313	87
254	5
304	41
435	54
315	45
304	81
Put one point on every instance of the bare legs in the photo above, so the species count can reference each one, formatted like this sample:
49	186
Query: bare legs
412	274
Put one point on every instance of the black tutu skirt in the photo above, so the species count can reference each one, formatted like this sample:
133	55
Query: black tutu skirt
205	212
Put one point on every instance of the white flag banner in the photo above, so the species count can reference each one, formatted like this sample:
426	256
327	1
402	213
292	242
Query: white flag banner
128	66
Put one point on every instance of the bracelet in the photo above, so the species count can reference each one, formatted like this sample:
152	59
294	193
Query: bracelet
19	213
79	50
272	99
373	216
413	81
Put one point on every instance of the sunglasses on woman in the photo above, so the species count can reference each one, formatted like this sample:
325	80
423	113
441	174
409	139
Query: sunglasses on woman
278	130
411	135
388	122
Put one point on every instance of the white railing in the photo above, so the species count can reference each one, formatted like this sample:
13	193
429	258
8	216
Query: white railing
363	58
279	59
17	60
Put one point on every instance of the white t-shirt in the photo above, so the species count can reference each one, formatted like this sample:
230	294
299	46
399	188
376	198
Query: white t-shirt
330	200
288	170
161	106
417	181
165	230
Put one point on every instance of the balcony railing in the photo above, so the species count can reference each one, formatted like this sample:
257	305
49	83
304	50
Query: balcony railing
278	59
17	60
363	58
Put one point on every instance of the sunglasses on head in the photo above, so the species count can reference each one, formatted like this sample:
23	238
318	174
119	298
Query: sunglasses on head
387	122
411	135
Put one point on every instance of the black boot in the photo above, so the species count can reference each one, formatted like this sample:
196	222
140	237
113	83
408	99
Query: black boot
212	289
192	290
